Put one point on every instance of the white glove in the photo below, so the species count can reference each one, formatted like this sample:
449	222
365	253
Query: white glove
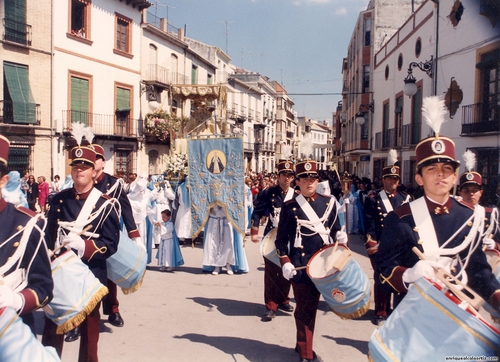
139	243
288	271
423	268
489	243
341	237
8	298
73	241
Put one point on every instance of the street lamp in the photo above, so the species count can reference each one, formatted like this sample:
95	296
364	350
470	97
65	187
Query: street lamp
410	88
360	116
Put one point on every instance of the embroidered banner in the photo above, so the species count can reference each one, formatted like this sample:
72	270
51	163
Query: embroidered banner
216	177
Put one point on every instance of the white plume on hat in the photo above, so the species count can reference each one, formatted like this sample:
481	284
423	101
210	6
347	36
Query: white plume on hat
433	111
306	147
78	131
287	151
89	134
470	160
392	158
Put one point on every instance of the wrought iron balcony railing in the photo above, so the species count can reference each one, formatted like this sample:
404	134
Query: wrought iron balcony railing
478	118
16	32
30	114
104	124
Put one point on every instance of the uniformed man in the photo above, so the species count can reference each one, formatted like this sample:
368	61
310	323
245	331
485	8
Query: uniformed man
268	205
471	191
94	244
307	223
376	209
26	286
437	224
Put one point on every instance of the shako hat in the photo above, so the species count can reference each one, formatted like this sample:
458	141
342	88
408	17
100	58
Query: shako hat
4	150
391	169
306	168
285	166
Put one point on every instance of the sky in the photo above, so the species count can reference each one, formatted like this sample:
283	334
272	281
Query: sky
298	43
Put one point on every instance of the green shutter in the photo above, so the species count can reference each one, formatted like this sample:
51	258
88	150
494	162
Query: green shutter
79	100
23	104
122	99
15	21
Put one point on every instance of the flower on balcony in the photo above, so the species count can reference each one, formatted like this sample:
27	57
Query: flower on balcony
176	165
161	124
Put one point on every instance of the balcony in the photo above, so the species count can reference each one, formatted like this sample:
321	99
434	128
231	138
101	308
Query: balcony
290	135
157	75
29	114
16	32
410	134
389	138
478	120
110	125
248	146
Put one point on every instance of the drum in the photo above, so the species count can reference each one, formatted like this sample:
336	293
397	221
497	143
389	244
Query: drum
429	325
493	258
18	343
127	267
268	247
341	281
76	292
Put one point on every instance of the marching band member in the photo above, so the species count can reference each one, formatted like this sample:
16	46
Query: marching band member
269	202
376	209
27	286
471	190
111	186
307	223
93	243
447	231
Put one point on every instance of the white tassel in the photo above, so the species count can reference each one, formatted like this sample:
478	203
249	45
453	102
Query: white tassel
392	158
298	238
433	111
470	160
78	131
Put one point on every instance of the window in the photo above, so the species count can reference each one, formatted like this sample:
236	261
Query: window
194	74
79	18
79	101
123	109
19	105
490	86
19	157
123	161
416	116
154	162
367	28
366	78
16	29
174	62
398	120
385	126
209	78
123	34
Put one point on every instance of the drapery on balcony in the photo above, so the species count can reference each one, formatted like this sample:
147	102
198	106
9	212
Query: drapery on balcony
103	124
8	114
16	32
478	118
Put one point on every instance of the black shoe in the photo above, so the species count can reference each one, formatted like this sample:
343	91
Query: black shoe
270	314
378	320
73	335
116	319
315	356
286	307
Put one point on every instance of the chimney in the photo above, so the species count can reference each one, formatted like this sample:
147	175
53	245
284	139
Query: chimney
163	24
180	34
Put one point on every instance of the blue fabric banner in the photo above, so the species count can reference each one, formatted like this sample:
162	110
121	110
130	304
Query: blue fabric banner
216	177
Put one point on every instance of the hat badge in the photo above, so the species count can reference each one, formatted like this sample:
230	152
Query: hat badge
469	176
307	166
393	169
287	165
438	147
79	152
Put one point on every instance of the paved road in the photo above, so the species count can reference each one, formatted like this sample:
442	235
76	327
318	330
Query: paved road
191	316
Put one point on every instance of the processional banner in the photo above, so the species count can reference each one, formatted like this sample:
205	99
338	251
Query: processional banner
216	178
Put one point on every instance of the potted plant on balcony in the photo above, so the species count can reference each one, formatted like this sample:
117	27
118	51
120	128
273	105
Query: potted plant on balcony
161	125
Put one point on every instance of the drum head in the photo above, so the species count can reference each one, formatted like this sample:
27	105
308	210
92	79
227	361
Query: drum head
268	245
321	264
493	258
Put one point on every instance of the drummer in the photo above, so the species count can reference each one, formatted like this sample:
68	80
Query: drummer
35	290
450	223
376	209
93	246
296	243
471	190
269	202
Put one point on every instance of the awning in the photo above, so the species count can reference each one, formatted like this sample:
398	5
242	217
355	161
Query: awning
489	60
23	104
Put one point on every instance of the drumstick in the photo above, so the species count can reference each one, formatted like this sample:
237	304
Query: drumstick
52	252
301	267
